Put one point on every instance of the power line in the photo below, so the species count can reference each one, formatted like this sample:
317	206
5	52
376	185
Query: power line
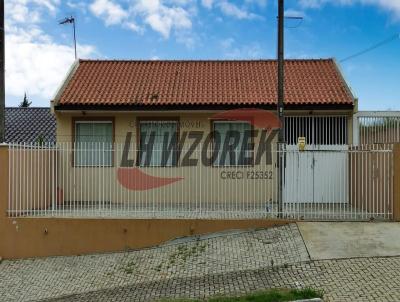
373	47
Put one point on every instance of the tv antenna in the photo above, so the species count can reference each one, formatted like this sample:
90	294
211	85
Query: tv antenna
70	20
297	18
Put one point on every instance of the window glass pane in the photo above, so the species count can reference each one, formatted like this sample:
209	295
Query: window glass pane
93	144
228	131
155	138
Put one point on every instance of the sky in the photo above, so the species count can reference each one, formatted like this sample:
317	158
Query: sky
39	52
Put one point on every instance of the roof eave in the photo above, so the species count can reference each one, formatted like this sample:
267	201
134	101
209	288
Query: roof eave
65	82
344	81
176	107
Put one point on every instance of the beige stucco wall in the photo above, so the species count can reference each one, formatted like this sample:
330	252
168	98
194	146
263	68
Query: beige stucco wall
199	184
223	187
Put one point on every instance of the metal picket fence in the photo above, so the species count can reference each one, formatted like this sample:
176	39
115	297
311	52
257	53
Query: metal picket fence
376	127
109	180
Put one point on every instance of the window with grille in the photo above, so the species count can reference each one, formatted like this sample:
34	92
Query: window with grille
318	130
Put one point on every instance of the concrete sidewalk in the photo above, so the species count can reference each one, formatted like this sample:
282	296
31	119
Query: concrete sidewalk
340	240
187	259
227	263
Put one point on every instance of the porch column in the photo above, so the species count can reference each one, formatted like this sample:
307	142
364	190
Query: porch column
356	130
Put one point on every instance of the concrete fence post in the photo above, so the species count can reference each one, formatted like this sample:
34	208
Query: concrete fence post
396	182
4	179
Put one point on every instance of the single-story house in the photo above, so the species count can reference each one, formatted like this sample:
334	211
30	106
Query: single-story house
29	125
123	92
106	110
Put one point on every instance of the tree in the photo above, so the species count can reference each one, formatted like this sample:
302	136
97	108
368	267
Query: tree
40	140
25	103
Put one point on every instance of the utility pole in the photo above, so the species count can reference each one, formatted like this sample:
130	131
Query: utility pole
280	107
281	70
2	72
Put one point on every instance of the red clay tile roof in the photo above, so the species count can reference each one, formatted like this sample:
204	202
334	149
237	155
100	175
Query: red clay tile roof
315	82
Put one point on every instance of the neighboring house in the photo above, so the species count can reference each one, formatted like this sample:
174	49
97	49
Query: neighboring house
29	125
106	102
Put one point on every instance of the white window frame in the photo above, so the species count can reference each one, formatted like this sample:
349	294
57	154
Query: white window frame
76	149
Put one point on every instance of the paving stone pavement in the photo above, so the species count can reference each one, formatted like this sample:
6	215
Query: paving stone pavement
362	279
220	254
229	263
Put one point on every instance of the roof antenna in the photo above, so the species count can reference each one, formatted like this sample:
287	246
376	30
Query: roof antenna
298	18
70	20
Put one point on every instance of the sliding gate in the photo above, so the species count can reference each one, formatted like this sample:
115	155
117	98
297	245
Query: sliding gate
317	175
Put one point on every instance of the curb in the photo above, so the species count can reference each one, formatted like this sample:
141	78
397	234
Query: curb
310	300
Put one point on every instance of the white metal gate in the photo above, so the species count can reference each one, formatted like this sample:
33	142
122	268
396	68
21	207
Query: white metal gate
319	174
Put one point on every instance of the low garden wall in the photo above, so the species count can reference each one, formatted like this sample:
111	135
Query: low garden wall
24	237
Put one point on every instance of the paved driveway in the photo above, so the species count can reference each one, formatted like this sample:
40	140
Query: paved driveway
336	240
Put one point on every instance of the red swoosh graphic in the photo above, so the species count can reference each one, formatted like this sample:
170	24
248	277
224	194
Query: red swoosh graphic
259	118
135	179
